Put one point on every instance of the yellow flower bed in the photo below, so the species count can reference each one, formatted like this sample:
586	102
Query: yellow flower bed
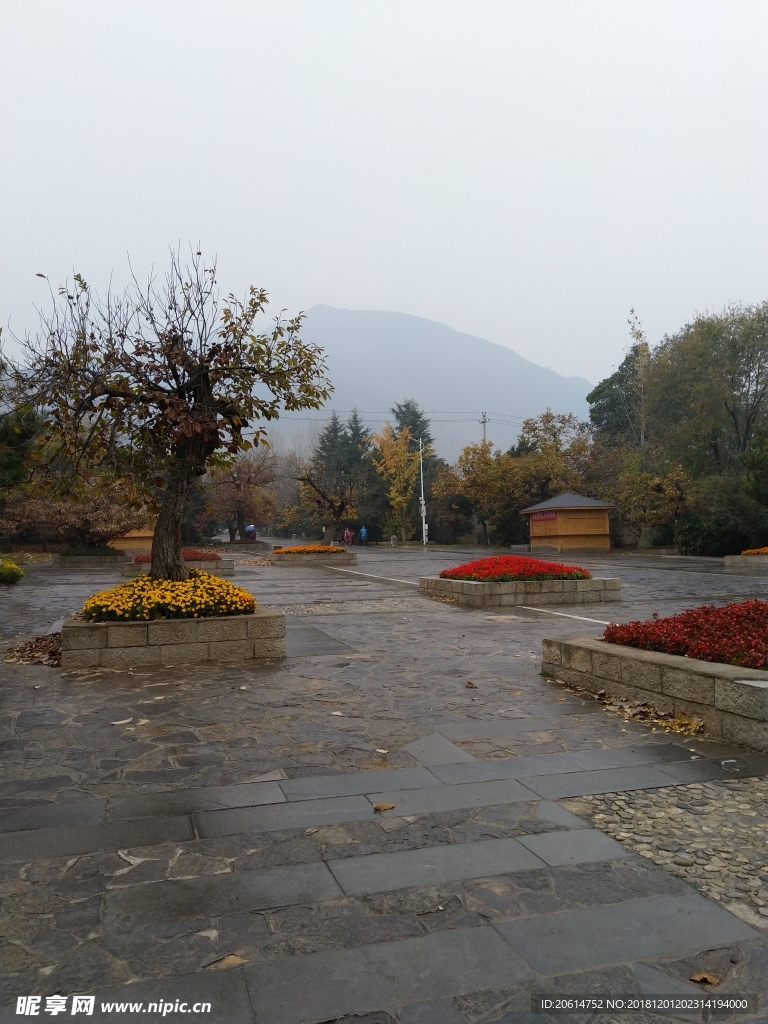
311	549
201	596
755	551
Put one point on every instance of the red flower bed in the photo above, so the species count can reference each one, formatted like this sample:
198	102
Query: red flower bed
504	568
736	634
190	555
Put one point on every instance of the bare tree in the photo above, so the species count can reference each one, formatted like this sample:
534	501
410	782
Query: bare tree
157	385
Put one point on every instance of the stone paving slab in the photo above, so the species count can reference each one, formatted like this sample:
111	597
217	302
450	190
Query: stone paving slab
79	839
609	780
502	768
702	770
436	749
565	707
386	872
479	730
627	757
356	783
296	814
547	810
574	847
82	812
181	899
324	986
226	992
186	801
621	932
431	1011
453	798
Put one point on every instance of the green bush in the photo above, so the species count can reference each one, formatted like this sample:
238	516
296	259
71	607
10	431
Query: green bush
721	520
10	573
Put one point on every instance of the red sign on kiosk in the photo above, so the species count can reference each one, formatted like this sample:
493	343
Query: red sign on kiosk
538	516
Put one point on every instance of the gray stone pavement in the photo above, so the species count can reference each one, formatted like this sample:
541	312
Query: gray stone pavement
224	833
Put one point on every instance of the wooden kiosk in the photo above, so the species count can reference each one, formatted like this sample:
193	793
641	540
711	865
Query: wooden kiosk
569	522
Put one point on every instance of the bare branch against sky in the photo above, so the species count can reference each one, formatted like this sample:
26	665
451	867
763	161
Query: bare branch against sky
523	170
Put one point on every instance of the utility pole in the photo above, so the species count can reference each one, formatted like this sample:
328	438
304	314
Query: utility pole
484	420
422	503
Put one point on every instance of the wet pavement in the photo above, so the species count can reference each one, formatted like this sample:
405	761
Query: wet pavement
354	833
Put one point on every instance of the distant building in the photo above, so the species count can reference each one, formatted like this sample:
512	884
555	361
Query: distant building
569	522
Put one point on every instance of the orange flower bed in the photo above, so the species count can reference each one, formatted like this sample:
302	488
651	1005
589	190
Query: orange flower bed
755	551
311	549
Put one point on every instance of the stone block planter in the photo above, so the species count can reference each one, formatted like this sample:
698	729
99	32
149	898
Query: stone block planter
319	558
746	562
502	595
172	641
732	702
217	567
243	545
89	561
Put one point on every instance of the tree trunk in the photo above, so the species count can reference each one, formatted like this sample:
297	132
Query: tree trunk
402	533
328	534
241	524
167	561
232	532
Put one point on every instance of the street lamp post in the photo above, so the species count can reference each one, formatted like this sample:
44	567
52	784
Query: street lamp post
422	503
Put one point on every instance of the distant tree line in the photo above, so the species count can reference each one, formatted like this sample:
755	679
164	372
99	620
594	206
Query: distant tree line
677	438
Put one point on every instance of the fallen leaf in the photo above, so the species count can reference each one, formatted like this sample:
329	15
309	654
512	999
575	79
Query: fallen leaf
380	750
470	686
710	979
383	807
159	698
123	721
310	831
230	960
143	721
339	713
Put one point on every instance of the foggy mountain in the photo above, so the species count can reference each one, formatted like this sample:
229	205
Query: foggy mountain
377	359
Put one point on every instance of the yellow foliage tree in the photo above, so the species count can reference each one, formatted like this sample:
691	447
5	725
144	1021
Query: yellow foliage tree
398	464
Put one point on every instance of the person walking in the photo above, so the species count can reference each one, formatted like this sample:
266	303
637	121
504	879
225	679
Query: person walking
363	535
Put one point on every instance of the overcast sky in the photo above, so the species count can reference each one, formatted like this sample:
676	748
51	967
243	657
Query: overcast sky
524	170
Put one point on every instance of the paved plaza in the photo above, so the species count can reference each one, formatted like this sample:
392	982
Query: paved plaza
358	834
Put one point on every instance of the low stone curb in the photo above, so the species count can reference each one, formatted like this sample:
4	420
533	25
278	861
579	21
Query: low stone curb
746	561
319	558
499	595
88	561
242	545
731	702
217	567
173	641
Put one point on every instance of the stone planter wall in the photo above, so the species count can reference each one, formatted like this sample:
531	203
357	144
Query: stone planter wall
88	561
222	567
732	702
746	561
242	545
172	641
501	595
347	558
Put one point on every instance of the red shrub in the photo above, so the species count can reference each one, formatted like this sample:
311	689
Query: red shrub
190	555
736	634
503	568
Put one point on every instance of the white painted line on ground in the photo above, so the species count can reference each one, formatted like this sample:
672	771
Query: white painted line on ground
565	615
370	576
